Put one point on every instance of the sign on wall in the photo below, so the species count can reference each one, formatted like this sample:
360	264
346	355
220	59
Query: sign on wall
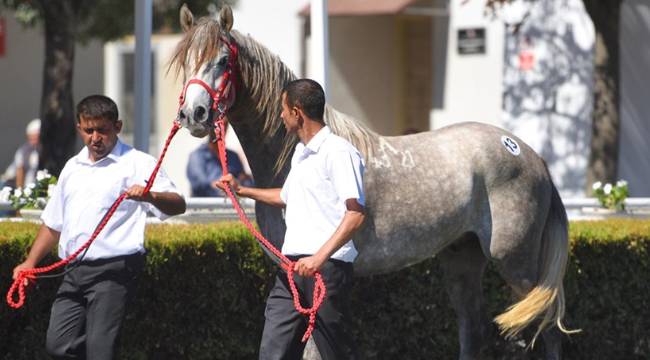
471	41
3	32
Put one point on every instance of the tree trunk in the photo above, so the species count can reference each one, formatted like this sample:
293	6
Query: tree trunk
58	135
603	160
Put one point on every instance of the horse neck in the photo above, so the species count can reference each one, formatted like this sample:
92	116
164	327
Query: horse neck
255	116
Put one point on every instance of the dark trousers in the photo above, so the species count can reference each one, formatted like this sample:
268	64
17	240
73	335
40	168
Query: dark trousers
90	306
284	326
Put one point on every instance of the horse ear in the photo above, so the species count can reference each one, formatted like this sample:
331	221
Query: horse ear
186	17
225	18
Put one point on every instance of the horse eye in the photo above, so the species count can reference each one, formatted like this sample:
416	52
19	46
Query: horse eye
223	61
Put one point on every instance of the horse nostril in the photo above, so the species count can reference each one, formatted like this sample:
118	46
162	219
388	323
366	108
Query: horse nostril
198	113
181	114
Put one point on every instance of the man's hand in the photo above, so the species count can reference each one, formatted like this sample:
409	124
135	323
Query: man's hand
307	266
26	265
136	192
228	179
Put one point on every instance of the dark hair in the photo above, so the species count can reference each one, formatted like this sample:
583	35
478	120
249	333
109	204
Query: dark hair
308	95
97	106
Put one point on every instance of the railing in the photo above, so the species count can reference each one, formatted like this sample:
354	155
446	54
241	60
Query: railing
204	210
590	209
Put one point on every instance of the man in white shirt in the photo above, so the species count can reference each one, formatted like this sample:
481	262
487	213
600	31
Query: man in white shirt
90	304
323	197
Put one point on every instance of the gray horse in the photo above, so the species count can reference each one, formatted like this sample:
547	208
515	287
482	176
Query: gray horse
468	193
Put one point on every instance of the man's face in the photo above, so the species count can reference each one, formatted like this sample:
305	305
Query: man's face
33	138
99	135
289	115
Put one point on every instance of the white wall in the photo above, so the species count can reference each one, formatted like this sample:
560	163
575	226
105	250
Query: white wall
549	106
365	70
473	83
275	24
634	153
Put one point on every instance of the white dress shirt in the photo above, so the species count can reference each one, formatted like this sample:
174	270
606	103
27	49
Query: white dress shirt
324	174
86	190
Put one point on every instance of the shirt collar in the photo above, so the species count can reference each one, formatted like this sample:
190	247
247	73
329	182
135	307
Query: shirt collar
314	144
84	158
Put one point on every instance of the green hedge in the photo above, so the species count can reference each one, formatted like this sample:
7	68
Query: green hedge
202	297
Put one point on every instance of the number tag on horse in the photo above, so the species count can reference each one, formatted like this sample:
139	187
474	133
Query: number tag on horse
510	145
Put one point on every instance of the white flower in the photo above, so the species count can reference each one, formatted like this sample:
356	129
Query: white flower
621	183
31	186
40	175
597	185
18	192
28	191
5	193
607	189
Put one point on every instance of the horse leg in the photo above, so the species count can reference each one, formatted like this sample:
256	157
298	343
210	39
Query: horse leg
530	252
463	263
552	343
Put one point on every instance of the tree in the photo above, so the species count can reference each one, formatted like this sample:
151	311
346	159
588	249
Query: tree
66	22
603	160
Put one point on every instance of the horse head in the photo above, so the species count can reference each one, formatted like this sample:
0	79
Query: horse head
207	57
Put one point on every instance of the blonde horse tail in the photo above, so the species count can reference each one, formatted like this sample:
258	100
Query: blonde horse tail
546	299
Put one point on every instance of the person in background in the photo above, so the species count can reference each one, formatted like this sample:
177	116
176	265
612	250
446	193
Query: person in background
22	171
204	169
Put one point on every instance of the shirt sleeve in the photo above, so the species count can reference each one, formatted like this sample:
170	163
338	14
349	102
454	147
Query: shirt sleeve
346	170
284	192
162	183
19	158
52	215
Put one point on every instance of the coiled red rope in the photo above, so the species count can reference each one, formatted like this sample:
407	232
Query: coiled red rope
24	276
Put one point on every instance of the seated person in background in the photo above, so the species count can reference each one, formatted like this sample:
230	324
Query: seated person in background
204	170
22	171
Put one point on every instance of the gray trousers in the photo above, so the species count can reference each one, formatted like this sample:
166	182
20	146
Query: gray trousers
89	308
284	326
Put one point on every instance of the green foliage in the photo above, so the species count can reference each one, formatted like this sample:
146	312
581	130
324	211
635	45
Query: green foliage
611	196
34	195
203	291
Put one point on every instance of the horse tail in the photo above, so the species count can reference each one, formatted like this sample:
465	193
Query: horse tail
546	299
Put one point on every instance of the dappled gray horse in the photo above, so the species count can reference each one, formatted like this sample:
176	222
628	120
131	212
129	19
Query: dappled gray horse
467	193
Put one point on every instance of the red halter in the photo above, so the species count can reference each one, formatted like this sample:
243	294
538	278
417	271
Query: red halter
222	92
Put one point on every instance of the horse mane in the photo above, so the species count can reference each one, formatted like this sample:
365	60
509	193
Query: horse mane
264	76
200	42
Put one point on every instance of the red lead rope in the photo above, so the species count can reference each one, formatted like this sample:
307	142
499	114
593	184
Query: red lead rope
31	274
287	265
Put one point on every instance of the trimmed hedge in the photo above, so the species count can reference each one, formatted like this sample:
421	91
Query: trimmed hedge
203	291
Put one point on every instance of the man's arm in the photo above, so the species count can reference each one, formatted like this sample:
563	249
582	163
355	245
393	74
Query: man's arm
45	241
352	221
169	203
267	196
